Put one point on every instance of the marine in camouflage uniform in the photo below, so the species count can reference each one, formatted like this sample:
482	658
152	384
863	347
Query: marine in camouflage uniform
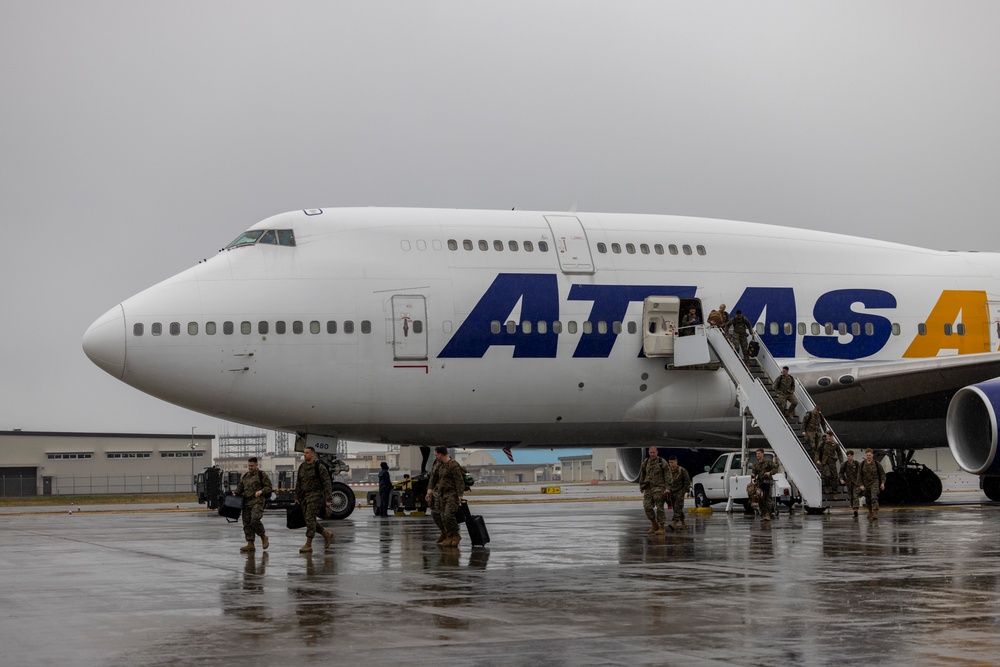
762	472
677	487
741	331
812	433
444	492
829	459
313	490
255	488
849	478
871	479
653	477
784	384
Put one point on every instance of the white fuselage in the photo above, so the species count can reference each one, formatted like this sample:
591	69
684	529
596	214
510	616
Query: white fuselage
394	331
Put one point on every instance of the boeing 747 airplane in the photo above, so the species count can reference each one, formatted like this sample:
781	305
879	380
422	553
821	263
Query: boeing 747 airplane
530	329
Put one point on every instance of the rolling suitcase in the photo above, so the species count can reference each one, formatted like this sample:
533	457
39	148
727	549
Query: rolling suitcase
231	507
476	525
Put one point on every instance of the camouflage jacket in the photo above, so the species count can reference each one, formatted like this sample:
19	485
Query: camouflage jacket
871	475
740	325
313	478
849	472
761	467
447	478
784	384
679	480
654	474
812	422
829	454
251	483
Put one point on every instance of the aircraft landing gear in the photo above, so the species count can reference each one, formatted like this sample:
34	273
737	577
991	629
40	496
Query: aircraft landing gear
991	487
909	481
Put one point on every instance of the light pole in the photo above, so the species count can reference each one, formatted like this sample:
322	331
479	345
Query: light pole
192	446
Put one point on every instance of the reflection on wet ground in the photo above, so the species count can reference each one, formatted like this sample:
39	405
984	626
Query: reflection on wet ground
561	584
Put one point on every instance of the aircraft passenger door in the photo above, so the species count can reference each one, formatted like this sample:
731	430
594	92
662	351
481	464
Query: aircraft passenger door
570	244
994	307
660	320
409	327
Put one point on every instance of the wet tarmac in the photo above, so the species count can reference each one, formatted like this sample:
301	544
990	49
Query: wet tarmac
573	583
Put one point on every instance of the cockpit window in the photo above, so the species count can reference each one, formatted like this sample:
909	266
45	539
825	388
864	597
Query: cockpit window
285	237
246	238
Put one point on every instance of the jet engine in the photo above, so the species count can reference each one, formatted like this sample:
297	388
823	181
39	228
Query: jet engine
629	462
972	428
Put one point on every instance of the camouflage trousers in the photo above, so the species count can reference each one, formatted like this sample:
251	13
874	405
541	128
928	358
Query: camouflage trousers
652	504
871	498
813	442
253	515
787	398
677	501
853	495
740	345
443	508
830	478
312	505
765	499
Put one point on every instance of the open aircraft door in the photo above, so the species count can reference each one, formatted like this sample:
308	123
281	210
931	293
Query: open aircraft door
409	327
570	244
660	316
994	307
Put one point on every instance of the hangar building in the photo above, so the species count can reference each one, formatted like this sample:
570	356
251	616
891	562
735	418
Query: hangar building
55	463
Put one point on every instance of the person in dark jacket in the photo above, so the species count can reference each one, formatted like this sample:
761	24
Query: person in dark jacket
384	490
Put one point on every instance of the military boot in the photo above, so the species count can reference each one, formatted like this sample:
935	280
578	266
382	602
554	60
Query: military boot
455	539
327	536
871	517
307	547
654	527
684	524
875	516
442	537
264	542
248	547
660	529
855	514
673	525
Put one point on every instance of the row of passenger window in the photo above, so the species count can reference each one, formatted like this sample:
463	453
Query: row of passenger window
247	327
644	248
616	248
774	328
498	245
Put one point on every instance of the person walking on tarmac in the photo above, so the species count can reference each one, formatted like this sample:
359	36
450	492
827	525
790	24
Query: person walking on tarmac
444	493
255	487
653	476
762	473
312	490
384	489
677	487
849	478
871	480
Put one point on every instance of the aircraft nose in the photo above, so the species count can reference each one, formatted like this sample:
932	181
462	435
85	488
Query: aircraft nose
104	342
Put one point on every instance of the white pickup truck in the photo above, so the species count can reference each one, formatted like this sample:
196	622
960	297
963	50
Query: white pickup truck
712	486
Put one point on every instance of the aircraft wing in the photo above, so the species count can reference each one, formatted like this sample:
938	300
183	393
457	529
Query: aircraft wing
874	390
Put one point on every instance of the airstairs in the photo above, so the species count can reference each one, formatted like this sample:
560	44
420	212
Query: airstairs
753	382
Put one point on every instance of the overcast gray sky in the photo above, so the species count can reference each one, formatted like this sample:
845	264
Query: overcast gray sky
137	138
